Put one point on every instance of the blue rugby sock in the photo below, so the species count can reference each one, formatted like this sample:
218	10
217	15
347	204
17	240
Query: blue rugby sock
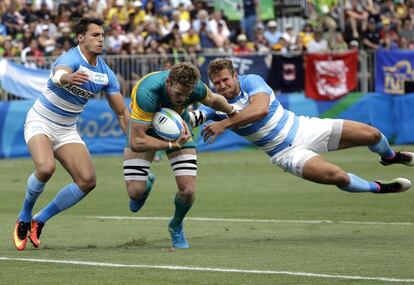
66	198
383	148
33	190
181	209
357	184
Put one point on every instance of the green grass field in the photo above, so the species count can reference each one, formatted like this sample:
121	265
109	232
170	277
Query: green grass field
251	224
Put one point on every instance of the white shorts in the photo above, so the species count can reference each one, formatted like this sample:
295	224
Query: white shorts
59	135
314	136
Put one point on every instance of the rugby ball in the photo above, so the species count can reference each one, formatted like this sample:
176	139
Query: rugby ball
167	124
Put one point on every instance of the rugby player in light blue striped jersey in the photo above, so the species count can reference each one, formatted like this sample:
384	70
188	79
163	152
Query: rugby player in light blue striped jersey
295	142
50	130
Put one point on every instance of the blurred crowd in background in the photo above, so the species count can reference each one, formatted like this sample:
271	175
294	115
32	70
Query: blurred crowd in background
39	28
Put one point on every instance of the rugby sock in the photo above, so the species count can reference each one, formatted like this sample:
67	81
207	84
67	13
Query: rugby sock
383	148
66	198
357	184
181	209
33	190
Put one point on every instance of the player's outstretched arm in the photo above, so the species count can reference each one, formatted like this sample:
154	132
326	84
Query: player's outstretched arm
218	103
116	101
258	108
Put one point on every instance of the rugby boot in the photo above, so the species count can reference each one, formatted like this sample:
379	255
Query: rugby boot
35	232
401	157
178	238
20	235
397	185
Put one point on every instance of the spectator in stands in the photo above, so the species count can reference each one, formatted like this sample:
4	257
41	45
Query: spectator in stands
65	36
116	40
220	36
206	40
32	56
406	30
248	22
13	20
318	44
242	46
282	46
9	49
120	10
289	34
137	12
271	34
371	37
217	23
354	45
323	13
183	25
202	18
191	39
306	34
357	16
340	43
389	38
46	42
27	36
28	12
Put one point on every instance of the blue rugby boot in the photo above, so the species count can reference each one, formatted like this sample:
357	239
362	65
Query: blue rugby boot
178	237
136	205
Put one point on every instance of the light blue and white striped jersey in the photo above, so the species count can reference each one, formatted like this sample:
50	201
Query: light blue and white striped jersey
274	132
63	105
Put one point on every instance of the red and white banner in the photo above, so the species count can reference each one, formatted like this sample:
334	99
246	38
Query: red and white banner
331	76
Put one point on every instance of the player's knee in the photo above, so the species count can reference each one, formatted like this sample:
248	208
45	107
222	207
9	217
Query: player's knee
86	183
338	177
373	135
45	170
135	191
187	193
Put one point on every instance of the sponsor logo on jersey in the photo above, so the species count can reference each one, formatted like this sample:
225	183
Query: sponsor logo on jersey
77	91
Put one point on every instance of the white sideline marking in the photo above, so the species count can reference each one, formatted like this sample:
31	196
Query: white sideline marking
254	220
206	269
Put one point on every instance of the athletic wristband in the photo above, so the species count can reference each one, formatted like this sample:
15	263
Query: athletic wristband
58	76
171	146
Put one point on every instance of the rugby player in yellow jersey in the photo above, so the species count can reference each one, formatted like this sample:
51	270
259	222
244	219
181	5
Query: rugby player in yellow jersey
177	89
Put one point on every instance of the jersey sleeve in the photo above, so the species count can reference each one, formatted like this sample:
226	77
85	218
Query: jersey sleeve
113	84
143	105
68	60
254	84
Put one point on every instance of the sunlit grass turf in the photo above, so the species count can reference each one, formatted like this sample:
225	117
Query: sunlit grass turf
236	185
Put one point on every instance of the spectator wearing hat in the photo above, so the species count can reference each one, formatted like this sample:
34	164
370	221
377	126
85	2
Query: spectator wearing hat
119	11
137	13
388	35
371	37
201	19
46	42
272	34
65	36
289	34
242	46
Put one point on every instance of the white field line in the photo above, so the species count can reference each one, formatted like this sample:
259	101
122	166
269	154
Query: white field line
254	220
206	269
